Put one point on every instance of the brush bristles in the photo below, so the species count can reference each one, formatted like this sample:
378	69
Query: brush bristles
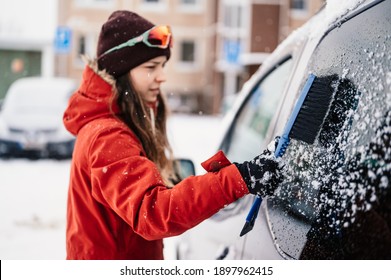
313	111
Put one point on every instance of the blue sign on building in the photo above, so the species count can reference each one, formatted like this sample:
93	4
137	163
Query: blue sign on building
62	41
232	51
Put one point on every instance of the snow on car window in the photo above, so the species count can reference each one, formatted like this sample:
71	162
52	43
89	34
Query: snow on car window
340	185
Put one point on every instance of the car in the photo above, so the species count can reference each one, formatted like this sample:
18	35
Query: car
31	119
334	200
241	135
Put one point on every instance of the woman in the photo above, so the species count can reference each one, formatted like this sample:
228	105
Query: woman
121	200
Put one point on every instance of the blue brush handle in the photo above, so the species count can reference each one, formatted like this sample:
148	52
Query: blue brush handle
282	145
283	141
253	213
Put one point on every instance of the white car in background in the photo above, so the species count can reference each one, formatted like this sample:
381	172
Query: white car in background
31	118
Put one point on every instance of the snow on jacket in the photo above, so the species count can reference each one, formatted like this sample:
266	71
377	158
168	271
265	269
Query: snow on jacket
118	206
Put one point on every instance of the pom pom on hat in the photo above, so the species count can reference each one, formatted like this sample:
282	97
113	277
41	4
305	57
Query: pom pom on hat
119	28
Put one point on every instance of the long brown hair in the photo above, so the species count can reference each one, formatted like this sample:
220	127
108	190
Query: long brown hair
135	114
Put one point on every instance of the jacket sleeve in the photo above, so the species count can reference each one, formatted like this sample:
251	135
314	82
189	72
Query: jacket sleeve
130	184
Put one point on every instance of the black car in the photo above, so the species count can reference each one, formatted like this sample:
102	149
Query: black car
334	202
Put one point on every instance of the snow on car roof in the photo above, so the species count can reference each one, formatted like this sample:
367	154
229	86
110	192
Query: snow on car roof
319	23
38	92
336	9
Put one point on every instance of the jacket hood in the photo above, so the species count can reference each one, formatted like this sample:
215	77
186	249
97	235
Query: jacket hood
92	100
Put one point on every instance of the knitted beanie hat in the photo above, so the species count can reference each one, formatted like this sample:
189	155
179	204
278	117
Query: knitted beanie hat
119	28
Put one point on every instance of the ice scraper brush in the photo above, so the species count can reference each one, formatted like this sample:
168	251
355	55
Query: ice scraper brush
303	124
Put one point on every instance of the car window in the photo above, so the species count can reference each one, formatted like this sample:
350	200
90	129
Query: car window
335	199
249	130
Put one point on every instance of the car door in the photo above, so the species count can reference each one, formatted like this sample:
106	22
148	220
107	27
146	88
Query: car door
243	137
334	202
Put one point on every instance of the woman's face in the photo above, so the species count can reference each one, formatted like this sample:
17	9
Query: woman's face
147	78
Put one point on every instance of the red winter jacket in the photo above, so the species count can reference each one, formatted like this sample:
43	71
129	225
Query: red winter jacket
118	206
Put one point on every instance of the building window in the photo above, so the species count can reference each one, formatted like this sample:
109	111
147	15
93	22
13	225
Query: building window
81	46
188	2
85	46
94	3
233	31
191	6
188	60
300	5
299	9
232	16
158	6
187	51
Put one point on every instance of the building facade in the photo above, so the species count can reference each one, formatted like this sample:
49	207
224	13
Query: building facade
26	40
218	44
247	32
190	75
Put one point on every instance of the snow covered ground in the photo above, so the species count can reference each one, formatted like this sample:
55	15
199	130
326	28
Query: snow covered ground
33	193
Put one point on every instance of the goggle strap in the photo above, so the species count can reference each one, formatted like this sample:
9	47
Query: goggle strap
129	43
142	38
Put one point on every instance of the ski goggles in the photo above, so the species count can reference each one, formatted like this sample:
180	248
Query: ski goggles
156	37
